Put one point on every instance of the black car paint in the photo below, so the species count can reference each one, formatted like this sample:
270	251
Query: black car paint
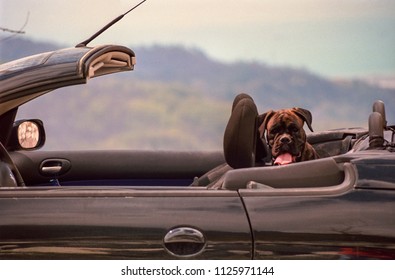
303	227
113	223
305	223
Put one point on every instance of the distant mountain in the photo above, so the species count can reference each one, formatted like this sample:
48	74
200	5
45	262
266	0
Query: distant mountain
268	83
180	98
16	47
333	103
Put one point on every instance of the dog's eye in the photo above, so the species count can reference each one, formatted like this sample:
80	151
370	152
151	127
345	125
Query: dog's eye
293	128
274	130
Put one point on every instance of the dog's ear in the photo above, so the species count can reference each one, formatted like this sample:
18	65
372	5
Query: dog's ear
305	115
263	119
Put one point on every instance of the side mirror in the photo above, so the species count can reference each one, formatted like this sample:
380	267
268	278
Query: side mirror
27	135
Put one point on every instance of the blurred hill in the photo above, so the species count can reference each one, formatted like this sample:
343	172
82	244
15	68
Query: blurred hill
179	98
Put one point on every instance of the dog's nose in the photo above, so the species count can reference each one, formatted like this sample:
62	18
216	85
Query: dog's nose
285	139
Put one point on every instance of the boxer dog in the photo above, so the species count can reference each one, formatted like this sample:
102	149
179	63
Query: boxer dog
285	135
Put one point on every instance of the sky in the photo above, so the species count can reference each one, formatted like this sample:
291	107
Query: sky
334	38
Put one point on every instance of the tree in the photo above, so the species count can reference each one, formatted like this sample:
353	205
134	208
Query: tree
13	31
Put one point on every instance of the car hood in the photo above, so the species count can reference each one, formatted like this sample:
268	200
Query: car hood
27	78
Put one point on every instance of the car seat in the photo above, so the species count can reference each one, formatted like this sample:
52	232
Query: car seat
242	145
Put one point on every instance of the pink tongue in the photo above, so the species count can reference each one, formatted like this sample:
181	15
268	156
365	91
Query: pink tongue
283	159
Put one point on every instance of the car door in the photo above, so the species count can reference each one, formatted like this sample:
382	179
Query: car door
123	222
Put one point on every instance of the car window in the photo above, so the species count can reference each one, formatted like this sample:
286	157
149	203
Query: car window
119	113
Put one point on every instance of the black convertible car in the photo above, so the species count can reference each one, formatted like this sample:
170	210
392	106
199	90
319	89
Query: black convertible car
232	204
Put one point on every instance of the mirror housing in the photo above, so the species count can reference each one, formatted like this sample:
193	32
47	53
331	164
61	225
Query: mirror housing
27	135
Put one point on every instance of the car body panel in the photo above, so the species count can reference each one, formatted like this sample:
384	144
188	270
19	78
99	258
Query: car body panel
119	223
323	227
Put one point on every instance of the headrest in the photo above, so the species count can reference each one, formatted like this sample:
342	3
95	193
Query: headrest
241	137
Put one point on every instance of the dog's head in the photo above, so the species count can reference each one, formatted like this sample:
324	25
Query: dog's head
284	133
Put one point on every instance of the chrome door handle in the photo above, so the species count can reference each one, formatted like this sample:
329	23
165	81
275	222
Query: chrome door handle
184	242
51	169
54	167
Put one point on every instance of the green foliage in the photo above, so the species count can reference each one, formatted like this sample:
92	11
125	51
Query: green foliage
150	115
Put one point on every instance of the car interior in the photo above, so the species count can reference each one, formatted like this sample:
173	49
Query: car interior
244	163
